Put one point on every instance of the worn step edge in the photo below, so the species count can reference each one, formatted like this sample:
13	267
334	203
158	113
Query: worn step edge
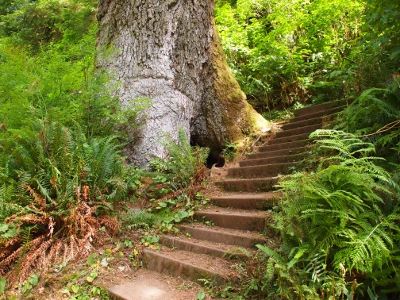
253	185
277	153
319	107
275	159
248	201
291	125
306	122
327	112
288	139
252	220
206	247
259	171
297	131
217	234
283	146
189	270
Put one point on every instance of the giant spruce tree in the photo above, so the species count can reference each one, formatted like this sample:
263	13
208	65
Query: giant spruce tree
169	52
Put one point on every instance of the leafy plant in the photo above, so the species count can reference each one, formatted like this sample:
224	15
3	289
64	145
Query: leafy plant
184	165
62	186
375	115
338	225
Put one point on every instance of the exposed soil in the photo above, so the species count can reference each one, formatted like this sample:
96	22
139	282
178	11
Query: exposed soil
115	265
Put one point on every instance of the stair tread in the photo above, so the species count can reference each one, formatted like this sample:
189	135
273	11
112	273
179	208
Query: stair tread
249	179
233	212
291	158
284	146
183	242
263	196
277	153
173	262
228	231
264	165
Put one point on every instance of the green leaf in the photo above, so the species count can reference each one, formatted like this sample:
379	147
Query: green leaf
75	288
2	285
200	295
91	277
93	260
33	280
3	227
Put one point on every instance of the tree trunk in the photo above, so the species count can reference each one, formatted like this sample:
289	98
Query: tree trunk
169	51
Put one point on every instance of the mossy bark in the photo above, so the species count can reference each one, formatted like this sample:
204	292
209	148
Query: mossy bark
169	51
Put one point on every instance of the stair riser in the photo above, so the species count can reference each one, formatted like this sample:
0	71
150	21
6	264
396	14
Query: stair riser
308	122
271	160
318	108
289	139
248	186
260	171
277	154
252	223
318	114
262	204
171	242
297	131
284	146
172	267
222	237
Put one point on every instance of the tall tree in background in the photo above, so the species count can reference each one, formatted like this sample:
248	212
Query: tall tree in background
169	51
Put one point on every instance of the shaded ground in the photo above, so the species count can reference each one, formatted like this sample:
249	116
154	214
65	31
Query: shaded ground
116	261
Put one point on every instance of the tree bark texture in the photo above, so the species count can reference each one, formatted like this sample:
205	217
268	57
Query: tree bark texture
169	51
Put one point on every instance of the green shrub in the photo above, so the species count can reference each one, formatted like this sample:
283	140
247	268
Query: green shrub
58	192
339	226
183	161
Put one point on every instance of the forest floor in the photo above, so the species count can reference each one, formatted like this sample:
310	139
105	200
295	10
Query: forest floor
116	261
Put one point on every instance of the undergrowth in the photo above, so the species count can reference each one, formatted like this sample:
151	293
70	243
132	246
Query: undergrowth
339	228
59	192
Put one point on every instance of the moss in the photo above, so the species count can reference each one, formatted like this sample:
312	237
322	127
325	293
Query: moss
239	118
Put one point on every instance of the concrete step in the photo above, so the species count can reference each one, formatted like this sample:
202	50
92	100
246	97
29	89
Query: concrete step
287	152
182	242
235	237
275	159
282	146
313	115
248	201
188	265
297	131
260	171
254	185
318	108
288	139
251	220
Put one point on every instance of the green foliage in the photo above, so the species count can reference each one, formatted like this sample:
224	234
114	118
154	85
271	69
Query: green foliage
41	22
174	182
285	52
183	162
299	51
375	115
60	137
338	225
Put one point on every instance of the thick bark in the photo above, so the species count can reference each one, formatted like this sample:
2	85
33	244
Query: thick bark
169	51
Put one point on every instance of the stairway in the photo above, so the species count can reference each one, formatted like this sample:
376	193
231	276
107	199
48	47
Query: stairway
239	219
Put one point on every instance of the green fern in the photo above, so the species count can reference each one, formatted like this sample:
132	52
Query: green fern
183	160
342	214
375	114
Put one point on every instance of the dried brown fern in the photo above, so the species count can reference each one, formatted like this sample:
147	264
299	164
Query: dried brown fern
57	241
